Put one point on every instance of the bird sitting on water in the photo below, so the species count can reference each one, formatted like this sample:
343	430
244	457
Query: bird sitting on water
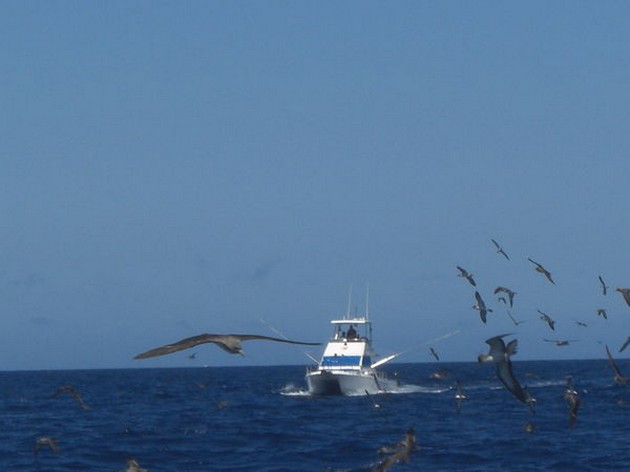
228	342
542	270
499	355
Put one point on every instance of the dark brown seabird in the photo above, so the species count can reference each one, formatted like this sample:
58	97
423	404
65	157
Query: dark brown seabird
133	466
45	441
573	401
481	307
510	294
228	342
467	275
602	312
401	452
559	342
626	294
460	397
604	286
434	354
500	249
619	378
542	270
625	344
547	319
514	320
70	390
500	355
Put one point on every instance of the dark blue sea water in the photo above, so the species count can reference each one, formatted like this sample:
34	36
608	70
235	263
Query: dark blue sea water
260	419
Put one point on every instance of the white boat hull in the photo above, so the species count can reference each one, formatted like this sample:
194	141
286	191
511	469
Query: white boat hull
326	382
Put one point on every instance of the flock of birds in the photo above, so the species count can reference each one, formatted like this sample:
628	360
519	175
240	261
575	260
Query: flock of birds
500	353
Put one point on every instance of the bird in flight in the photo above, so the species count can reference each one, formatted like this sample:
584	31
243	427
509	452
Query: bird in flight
228	342
70	390
559	342
467	275
602	312
626	294
625	344
481	306
434	354
573	401
514	320
619	378
604	286
500	249
133	466
547	319
542	270
500	354
399	452
43	442
510	294
460	397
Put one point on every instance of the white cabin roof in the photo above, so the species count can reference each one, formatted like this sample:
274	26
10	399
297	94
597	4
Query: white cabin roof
357	321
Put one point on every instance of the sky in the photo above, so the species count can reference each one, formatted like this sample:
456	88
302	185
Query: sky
174	168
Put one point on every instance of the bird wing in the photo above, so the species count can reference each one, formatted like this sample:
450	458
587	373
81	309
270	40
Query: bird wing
613	363
534	262
497	346
480	301
625	344
601	281
511	347
186	343
254	337
626	295
504	372
219	339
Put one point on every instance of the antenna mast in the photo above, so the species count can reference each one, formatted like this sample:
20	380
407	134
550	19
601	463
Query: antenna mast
349	302
367	300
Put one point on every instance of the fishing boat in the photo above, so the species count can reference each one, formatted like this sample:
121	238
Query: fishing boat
348	366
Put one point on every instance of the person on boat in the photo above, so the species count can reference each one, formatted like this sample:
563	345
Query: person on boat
352	334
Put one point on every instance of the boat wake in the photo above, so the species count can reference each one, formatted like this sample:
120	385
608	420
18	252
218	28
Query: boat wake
291	390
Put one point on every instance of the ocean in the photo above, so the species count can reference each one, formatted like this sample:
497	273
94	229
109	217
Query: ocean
261	419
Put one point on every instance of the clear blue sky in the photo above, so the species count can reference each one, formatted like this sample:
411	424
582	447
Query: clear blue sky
173	168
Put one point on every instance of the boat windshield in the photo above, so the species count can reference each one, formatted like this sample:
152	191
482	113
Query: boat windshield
351	331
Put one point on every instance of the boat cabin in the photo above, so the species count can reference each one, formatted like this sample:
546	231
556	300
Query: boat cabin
350	345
